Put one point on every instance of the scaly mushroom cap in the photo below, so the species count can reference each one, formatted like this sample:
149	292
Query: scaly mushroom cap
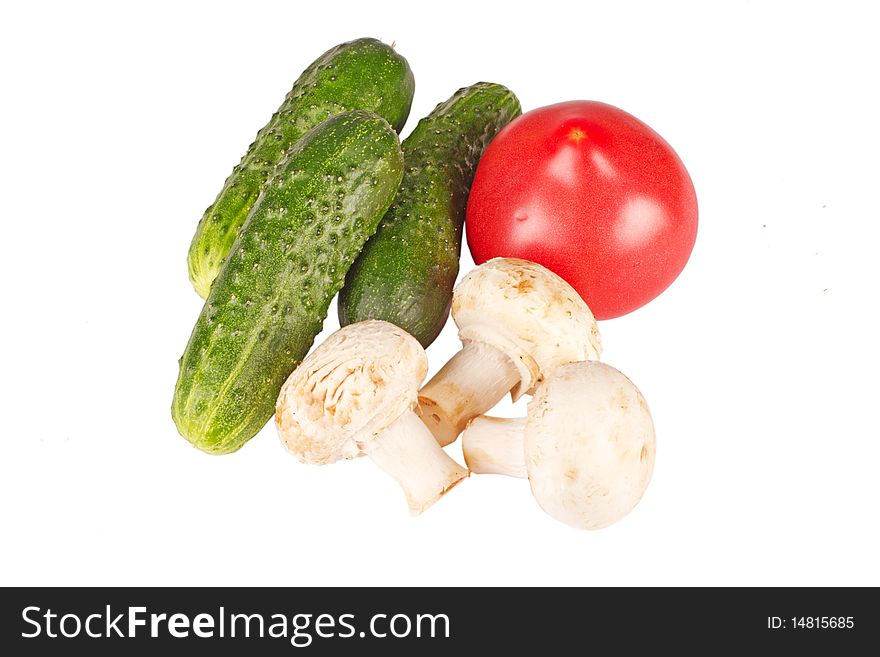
532	315
350	388
589	445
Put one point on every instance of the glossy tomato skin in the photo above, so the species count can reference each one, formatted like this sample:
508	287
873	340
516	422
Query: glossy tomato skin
591	193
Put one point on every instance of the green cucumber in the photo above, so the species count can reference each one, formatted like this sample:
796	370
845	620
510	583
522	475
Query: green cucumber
272	294
407	270
363	74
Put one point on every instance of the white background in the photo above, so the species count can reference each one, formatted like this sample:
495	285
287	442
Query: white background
119	125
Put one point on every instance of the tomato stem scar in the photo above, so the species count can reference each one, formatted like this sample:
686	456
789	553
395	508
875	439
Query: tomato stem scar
576	135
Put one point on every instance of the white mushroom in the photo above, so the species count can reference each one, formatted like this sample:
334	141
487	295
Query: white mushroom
354	395
587	445
515	320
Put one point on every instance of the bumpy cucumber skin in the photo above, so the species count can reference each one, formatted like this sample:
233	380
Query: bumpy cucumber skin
407	270
272	294
363	74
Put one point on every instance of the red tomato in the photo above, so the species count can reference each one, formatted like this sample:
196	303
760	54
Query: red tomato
591	193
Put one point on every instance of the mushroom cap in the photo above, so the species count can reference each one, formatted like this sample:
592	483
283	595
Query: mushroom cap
589	445
529	313
351	387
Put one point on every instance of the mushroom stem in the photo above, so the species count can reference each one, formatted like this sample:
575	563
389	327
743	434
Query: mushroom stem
494	445
471	383
407	451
